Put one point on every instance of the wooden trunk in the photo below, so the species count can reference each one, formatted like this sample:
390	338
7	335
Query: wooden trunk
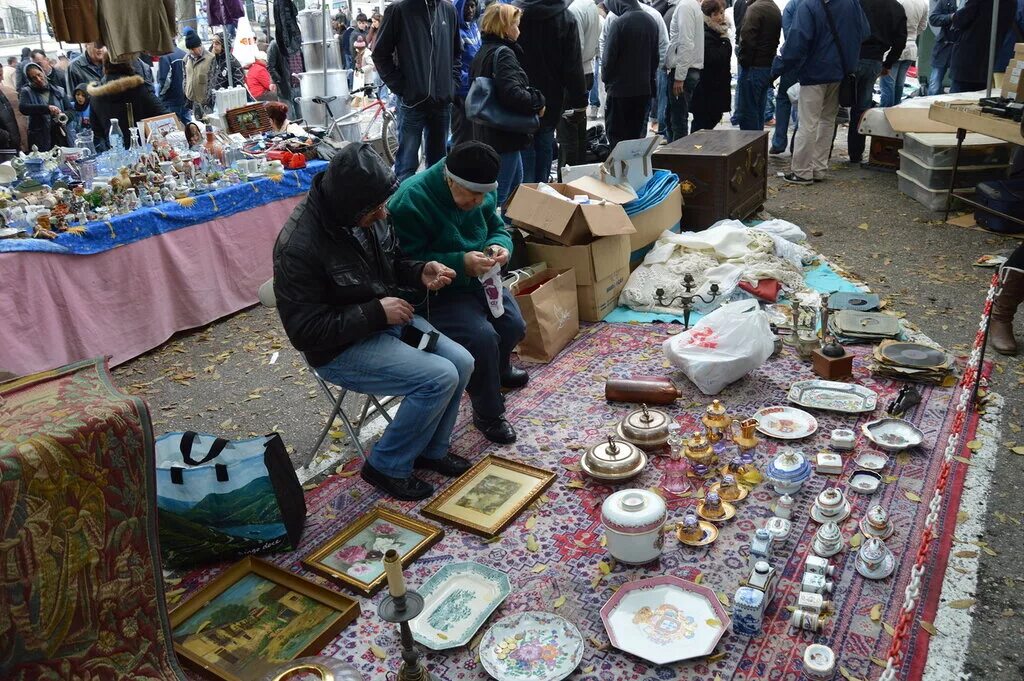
722	174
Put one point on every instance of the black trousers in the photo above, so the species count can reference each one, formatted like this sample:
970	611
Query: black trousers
625	118
462	127
572	134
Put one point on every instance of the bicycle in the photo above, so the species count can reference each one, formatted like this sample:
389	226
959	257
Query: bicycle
382	125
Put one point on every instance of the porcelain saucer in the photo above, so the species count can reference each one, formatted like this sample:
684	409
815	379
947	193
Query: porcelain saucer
729	512
743	492
884	570
819	517
710	535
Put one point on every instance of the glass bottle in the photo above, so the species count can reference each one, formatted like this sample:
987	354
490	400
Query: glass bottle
213	147
675	481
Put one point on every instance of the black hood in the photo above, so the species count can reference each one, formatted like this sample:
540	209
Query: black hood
619	7
356	181
542	8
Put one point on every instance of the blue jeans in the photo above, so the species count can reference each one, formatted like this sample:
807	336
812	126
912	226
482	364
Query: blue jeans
595	91
510	175
679	107
428	122
935	79
431	383
783	112
538	156
751	96
465	317
867	74
892	85
661	101
769	102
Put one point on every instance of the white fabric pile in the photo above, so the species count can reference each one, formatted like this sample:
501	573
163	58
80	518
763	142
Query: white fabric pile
726	254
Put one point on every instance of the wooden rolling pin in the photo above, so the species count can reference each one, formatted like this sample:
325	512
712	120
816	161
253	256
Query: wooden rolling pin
641	390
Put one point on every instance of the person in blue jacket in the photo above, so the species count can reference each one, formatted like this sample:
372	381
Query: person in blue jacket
469	33
821	59
940	18
170	84
784	111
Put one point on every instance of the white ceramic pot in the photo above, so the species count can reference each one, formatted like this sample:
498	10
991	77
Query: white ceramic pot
633	521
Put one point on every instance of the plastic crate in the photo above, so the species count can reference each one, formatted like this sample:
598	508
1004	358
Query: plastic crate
934	177
938	148
932	199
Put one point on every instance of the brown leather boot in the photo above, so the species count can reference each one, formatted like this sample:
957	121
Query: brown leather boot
1000	330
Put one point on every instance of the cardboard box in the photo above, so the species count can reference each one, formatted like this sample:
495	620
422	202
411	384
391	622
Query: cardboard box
597	300
592	262
567	222
653	222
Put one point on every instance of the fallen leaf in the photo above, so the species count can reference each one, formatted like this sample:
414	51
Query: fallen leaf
442	636
889	479
974	445
716	657
966	554
856	540
930	628
378	652
910	495
876	612
699	578
559	602
604	567
531	523
962	516
604	541
888	629
961	603
863	226
491	540
531	544
574	484
903	458
1019	450
963	460
342	473
880	662
848	675
713	623
537	569
723	598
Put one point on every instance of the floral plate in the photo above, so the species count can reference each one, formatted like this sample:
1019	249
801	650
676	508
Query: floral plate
785	423
531	646
847	398
457	600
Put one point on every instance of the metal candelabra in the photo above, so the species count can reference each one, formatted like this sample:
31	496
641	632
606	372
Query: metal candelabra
686	300
401	611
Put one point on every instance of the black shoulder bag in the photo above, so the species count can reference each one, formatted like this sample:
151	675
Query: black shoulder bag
848	85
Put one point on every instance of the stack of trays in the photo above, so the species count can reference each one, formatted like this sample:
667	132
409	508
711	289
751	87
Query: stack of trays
853	326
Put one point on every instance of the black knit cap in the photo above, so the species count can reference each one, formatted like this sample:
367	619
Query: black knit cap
475	163
192	40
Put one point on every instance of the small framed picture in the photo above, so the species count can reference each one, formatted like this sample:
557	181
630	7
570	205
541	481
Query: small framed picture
487	497
256	615
161	125
353	556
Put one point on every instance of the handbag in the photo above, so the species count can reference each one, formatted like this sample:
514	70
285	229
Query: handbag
221	500
483	107
848	85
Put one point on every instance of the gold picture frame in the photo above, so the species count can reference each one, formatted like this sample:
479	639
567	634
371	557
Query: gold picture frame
489	496
255	616
350	556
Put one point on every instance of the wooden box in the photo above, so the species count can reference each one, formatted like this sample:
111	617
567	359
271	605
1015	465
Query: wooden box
722	174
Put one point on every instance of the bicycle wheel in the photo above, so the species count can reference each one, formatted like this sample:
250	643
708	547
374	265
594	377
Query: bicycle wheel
389	135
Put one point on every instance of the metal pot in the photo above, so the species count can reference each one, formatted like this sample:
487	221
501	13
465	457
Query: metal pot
312	113
613	460
312	85
645	428
313	55
311	24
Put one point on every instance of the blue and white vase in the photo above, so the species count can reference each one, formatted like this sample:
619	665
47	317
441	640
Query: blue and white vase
748	611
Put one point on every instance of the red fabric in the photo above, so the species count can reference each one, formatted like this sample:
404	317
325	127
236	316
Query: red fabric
257	79
766	289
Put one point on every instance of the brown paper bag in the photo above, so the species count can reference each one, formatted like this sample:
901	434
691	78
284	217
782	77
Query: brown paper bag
550	311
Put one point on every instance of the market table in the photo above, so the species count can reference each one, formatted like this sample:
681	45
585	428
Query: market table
132	282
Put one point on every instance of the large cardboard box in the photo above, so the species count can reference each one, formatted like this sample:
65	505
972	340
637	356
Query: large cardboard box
567	222
592	262
598	299
651	223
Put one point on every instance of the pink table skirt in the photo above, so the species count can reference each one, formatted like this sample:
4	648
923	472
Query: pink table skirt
56	309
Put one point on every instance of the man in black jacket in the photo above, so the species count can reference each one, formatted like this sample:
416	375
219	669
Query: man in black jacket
550	39
340	280
888	22
758	42
417	54
629	64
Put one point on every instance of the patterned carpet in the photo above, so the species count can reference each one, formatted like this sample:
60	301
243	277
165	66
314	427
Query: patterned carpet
562	412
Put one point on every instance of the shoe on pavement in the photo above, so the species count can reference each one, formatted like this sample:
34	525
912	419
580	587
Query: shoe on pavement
512	377
406	489
450	464
496	430
793	178
1000	329
775	152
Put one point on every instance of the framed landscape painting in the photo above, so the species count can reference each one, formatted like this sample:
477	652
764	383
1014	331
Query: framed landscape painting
255	616
353	556
487	497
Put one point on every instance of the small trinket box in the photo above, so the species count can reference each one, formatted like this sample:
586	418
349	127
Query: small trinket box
843	439
832	368
828	463
813	603
818	566
819	663
815	584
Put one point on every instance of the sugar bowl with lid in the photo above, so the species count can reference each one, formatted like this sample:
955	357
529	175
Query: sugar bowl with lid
633	520
613	460
646	428
788	472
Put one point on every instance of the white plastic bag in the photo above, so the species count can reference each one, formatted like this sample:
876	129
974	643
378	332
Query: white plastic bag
724	346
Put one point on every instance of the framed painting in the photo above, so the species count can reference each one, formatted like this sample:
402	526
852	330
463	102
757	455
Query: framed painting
255	616
487	497
353	556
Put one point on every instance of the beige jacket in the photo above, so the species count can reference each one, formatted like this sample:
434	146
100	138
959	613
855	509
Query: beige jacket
197	72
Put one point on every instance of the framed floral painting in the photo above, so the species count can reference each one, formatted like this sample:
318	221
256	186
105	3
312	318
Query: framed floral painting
353	556
487	497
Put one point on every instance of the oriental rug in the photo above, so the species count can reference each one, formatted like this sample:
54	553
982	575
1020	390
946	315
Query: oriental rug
81	592
562	412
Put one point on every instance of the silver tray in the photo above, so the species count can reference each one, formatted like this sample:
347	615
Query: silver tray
847	398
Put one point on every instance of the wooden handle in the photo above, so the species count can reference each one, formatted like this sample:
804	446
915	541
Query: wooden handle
315	667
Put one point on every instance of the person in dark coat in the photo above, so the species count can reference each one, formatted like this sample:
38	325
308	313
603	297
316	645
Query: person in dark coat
286	27
279	74
110	98
42	102
87	67
552	59
940	18
218	75
629	64
711	96
758	41
10	135
968	66
469	33
170	80
499	59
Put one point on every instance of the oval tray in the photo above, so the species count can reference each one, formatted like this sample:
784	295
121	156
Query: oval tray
847	398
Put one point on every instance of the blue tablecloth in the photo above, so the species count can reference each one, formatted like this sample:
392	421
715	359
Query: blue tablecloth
166	217
654	191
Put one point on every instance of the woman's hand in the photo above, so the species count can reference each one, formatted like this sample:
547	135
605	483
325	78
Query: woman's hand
436	276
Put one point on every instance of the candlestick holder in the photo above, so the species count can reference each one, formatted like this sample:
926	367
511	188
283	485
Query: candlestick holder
686	299
401	611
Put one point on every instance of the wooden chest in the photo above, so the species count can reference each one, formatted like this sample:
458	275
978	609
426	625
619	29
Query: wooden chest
722	174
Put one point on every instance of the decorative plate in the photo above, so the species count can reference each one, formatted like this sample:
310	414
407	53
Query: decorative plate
893	435
665	619
531	646
458	599
785	423
847	398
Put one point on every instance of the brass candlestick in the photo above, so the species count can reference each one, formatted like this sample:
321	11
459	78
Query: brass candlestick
400	609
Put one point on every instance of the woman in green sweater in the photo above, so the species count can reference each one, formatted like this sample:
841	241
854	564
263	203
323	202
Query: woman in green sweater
449	213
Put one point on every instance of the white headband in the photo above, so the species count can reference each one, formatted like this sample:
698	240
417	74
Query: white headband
471	186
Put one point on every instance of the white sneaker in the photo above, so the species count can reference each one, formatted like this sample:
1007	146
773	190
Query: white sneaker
593	112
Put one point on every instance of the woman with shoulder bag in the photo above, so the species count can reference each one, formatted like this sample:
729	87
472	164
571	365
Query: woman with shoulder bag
499	59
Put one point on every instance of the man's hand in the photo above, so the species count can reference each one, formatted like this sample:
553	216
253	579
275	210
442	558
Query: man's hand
677	88
54	111
542	110
476	263
436	276
397	310
499	254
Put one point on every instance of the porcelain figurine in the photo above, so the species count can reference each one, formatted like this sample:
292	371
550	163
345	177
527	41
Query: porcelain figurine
874	559
760	547
784	507
779	529
819	566
807	621
876	523
843	439
788	472
763	578
714	509
633	520
748	611
828	540
819	663
701	455
815	584
830	506
813	603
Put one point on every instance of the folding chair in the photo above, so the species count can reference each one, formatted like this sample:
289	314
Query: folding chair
372	406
